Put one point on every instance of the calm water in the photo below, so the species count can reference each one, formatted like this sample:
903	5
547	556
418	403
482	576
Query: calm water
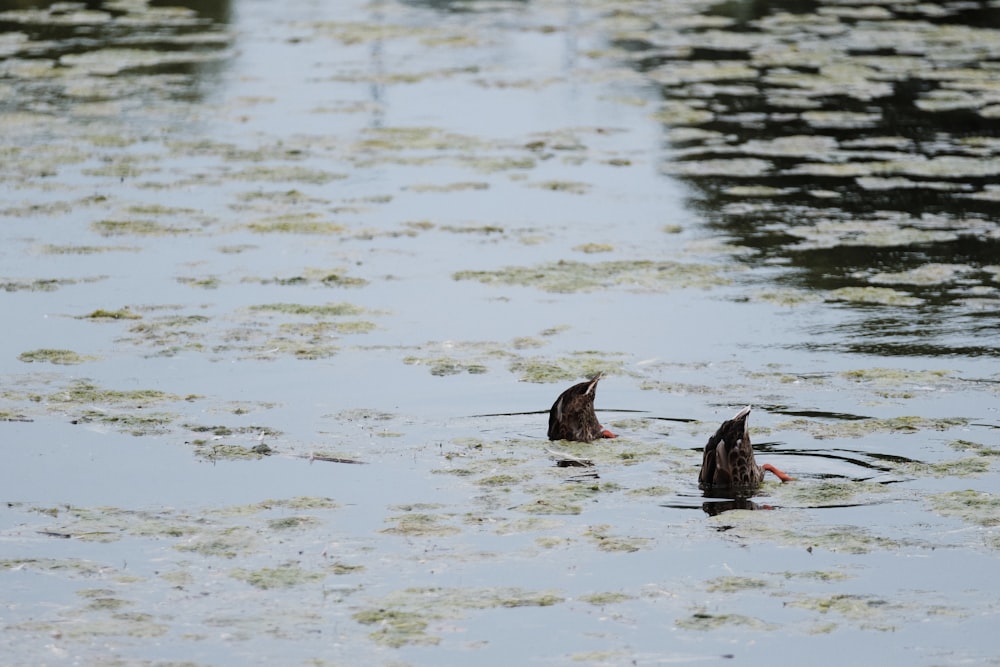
393	232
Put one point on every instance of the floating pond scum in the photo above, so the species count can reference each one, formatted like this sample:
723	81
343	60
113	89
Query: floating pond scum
289	290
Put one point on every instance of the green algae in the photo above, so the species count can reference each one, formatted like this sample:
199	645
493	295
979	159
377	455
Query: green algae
572	276
120	314
896	376
734	584
419	524
53	356
964	467
572	187
210	282
170	334
397	628
383	140
296	224
601	537
827	493
976	507
445	365
486	230
292	522
504	481
449	187
322	310
314	337
284	576
569	499
928	274
296	504
817	575
53	249
341	569
786	297
338	279
576	367
888	231
218	451
71	567
136	227
38	285
867	610
791	530
733	167
607	598
650	491
592	248
287	174
551	506
133	424
404	617
864	427
705	622
107	604
975	447
85	391
873	295
228	543
111	61
125	624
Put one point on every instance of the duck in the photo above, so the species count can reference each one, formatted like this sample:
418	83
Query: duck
572	416
728	462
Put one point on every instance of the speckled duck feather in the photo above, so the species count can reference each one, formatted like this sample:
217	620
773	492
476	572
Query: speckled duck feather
728	462
572	416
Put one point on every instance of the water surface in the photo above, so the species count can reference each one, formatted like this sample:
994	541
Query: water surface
242	239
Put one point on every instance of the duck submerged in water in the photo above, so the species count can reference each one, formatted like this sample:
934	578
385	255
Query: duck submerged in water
728	462
572	416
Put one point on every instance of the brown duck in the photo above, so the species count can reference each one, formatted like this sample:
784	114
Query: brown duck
572	416
728	462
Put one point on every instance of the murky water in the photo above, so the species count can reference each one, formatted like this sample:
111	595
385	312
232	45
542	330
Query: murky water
247	245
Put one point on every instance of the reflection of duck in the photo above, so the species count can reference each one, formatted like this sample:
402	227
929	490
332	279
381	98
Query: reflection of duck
572	416
728	461
717	507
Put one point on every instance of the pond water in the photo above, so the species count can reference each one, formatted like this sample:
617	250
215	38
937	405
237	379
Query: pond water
290	287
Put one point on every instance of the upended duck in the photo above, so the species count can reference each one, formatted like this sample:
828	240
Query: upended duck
728	462
572	416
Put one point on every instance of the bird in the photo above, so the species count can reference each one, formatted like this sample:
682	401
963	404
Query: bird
728	462
572	416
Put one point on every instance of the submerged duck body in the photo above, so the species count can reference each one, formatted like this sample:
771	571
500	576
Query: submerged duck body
572	416
728	461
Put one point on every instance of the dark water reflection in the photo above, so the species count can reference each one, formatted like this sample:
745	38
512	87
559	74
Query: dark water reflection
64	54
462	6
858	149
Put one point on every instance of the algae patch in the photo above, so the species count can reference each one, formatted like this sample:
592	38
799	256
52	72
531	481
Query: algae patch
137	227
976	507
704	622
580	365
284	576
571	276
322	310
863	427
868	611
405	617
419	524
120	314
605	541
54	356
874	295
